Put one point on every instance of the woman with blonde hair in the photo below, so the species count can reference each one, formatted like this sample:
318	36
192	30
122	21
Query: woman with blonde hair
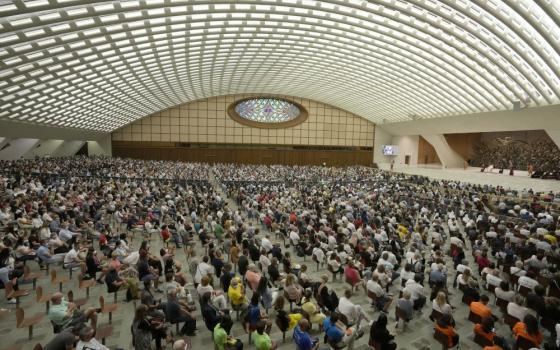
440	304
292	290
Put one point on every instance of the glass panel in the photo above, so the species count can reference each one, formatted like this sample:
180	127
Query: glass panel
267	110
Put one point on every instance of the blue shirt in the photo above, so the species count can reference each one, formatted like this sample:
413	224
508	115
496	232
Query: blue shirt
254	314
302	339
334	333
43	253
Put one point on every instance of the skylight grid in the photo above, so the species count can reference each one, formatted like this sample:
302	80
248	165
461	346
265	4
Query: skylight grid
387	60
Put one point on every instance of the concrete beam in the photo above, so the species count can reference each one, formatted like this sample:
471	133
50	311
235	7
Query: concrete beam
554	135
68	148
17	148
448	157
44	148
17	129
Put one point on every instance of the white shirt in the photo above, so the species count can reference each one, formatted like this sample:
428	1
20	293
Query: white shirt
493	280
93	344
375	287
416	289
266	244
319	254
517	311
349	309
446	309
294	237
70	256
509	295
202	270
527	282
265	262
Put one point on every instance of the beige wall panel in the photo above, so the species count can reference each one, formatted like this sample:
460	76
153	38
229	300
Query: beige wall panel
207	121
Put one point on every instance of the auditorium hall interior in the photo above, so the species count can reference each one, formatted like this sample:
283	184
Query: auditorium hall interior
279	174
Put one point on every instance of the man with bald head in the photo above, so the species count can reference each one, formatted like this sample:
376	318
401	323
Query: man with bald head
302	338
64	314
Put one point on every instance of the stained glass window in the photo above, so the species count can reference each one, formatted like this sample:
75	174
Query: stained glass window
267	110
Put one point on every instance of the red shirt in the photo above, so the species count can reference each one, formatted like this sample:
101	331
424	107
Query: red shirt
352	274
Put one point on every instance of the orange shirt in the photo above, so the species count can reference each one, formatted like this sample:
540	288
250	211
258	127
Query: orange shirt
480	309
520	330
478	330
449	332
493	347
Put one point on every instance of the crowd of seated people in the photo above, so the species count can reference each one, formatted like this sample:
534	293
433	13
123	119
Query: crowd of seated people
385	236
540	158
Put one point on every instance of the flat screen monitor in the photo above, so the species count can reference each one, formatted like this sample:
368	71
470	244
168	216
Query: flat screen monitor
390	150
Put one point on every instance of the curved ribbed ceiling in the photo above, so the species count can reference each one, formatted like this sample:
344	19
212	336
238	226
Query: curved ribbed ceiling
99	65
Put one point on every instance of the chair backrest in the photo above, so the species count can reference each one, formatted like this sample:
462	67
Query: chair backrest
101	301
524	343
26	270
371	295
401	314
70	296
374	344
510	320
38	293
441	338
524	291
9	288
53	276
436	315
502	303
38	346
474	317
20	316
482	341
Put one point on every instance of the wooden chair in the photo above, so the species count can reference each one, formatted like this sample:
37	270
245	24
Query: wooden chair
43	299
85	284
291	301
279	325
474	318
502	304
401	314
482	341
58	280
513	279
524	343
375	345
22	322
330	269
103	333
553	291
12	293
107	308
436	315
79	302
373	297
524	291
38	346
30	276
442	339
510	320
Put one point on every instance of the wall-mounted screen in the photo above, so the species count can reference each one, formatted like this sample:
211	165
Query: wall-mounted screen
390	150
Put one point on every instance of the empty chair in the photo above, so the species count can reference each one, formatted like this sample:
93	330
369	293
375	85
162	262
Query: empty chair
85	284
103	333
22	322
107	308
58	280
79	302
42	298
30	276
12	293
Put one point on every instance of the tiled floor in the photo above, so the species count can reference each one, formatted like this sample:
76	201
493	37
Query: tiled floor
417	335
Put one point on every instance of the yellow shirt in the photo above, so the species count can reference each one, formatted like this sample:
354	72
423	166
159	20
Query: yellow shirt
236	295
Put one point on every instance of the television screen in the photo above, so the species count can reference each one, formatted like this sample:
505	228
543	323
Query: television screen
390	150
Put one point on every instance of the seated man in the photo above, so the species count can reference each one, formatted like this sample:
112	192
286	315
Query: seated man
64	314
65	339
382	300
338	334
178	313
72	260
88	341
354	313
481	308
302	338
416	291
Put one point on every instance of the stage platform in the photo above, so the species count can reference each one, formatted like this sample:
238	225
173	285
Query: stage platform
519	181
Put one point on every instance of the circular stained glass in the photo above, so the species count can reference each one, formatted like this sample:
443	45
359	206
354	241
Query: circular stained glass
267	112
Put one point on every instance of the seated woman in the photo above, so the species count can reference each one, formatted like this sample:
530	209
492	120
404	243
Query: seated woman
352	276
292	289
217	297
145	328
528	329
485	329
406	306
445	326
313	312
440	304
379	334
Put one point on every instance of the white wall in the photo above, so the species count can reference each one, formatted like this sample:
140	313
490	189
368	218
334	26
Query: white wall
17	148
68	148
408	145
44	148
381	138
100	147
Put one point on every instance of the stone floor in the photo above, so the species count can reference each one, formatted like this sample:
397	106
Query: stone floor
472	174
417	335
